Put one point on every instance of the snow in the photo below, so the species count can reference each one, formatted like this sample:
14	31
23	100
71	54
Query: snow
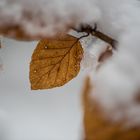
117	81
45	17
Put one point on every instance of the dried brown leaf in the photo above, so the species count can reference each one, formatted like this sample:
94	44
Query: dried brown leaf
55	62
98	127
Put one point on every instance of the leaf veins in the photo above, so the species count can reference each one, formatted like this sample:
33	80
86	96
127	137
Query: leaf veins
55	62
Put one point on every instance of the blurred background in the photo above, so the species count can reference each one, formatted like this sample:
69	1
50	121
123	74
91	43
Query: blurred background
54	114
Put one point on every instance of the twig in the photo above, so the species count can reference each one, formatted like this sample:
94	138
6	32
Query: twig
105	38
94	32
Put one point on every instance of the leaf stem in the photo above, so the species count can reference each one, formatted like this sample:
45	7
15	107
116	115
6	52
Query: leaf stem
83	36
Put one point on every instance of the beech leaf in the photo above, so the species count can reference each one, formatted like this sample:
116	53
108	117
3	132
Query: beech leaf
55	62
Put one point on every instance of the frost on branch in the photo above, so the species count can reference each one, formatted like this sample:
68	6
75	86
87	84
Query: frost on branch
28	20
